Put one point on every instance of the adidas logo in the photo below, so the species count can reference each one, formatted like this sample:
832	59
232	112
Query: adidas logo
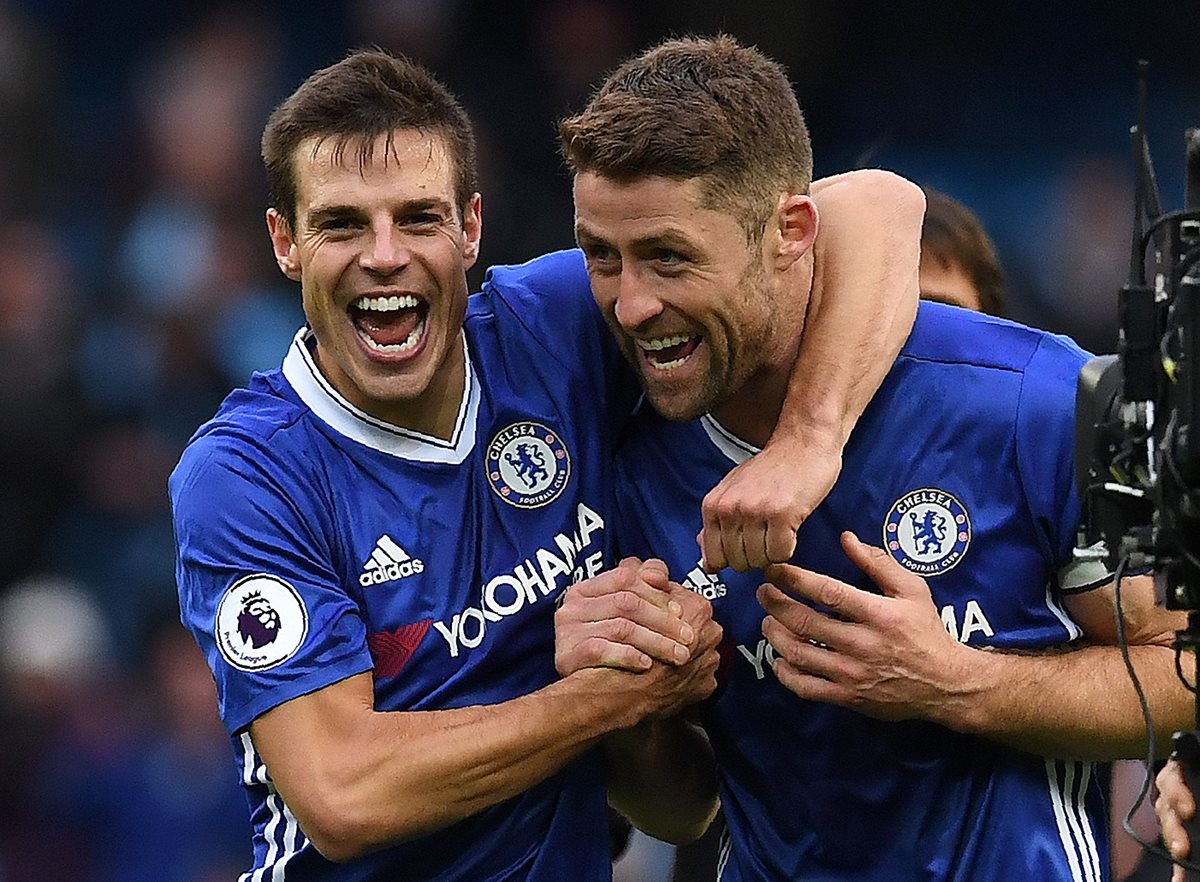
707	585
387	563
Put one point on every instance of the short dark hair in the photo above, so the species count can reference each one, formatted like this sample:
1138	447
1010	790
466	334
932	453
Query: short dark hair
707	108
954	236
368	94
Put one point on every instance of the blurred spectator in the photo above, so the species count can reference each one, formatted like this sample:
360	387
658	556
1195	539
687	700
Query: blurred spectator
166	796
27	83
112	779
53	692
42	416
958	260
117	539
1083	249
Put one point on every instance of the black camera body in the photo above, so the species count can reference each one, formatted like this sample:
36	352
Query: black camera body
1138	412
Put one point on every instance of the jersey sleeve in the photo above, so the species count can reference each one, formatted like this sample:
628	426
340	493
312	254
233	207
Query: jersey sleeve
256	586
552	297
1046	446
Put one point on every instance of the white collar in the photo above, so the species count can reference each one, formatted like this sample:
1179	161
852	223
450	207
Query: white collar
733	447
301	371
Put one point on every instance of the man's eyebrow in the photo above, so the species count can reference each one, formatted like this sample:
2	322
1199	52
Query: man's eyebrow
322	212
430	202
582	233
669	238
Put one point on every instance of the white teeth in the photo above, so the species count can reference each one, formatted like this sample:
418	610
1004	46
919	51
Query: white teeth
414	336
670	365
387	304
662	342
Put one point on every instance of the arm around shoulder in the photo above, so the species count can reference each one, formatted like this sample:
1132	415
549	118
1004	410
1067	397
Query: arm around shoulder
864	296
860	312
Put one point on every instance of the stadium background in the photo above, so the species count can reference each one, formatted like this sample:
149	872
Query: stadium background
137	287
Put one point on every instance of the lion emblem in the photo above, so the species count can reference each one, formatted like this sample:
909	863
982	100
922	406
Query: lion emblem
930	531
258	622
529	464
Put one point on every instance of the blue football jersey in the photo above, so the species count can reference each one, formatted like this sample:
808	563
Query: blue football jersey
962	468
316	543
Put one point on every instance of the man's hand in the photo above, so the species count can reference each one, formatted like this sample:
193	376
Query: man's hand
629	618
1175	806
671	689
886	656
751	517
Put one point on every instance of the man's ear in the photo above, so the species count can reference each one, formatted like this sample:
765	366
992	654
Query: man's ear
472	230
286	254
796	218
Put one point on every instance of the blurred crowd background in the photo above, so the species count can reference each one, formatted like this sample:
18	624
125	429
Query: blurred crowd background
137	287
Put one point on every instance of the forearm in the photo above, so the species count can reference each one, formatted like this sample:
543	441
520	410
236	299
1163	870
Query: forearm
1078	704
863	301
662	777
363	780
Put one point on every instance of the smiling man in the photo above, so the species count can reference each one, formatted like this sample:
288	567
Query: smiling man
928	710
371	540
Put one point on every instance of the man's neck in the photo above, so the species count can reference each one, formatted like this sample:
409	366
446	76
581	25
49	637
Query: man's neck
752	412
434	412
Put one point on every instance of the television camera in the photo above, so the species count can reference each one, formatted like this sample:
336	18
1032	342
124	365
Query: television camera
1138	415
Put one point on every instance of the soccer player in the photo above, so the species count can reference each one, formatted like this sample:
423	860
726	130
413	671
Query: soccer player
959	265
371	539
928	710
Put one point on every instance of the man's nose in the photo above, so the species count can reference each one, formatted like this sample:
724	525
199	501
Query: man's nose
386	252
636	301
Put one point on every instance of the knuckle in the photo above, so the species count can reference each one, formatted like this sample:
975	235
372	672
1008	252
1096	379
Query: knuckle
620	630
833	593
591	648
626	601
711	633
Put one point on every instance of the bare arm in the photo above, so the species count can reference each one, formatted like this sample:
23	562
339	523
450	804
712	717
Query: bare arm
863	303
359	780
890	657
860	313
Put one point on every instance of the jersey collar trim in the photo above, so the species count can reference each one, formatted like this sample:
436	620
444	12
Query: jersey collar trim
302	373
733	447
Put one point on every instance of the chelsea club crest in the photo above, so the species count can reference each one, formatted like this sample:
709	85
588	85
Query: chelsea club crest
928	531
528	465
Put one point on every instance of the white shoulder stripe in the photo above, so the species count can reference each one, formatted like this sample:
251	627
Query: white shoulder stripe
302	373
1074	632
1068	796
724	849
249	759
293	841
282	833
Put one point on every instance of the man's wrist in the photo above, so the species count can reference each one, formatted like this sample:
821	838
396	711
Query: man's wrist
613	695
817	431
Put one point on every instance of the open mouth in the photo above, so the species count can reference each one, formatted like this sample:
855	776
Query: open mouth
668	353
390	325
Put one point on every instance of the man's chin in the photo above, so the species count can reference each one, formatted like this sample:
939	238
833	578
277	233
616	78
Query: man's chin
675	407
